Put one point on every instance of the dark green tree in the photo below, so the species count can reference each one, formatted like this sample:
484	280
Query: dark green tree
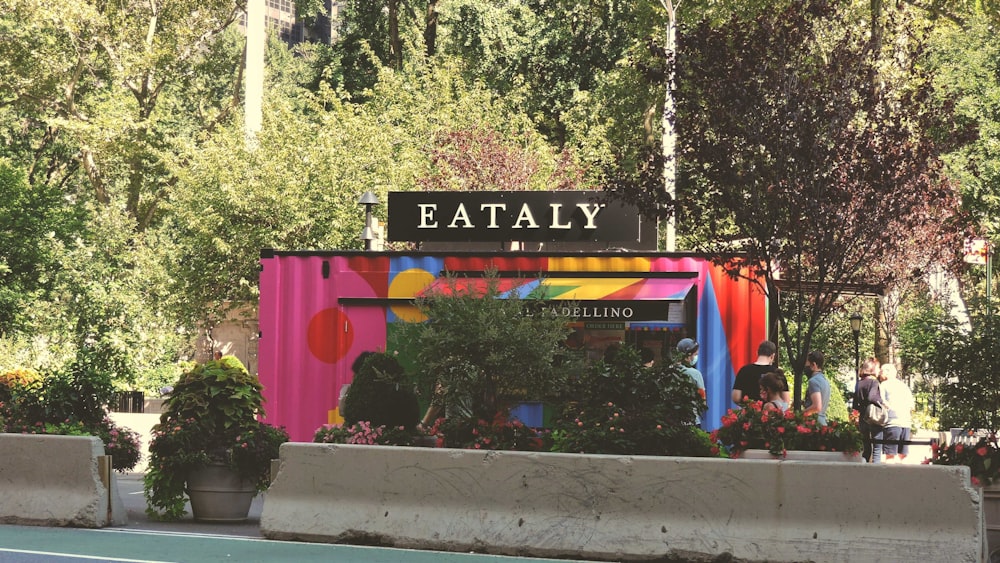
802	152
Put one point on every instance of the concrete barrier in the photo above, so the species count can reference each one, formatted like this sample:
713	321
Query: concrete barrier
615	507
58	481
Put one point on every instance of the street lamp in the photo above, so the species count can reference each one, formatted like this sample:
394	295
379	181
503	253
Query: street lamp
368	199
856	330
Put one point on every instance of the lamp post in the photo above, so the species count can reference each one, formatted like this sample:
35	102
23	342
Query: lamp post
368	199
856	330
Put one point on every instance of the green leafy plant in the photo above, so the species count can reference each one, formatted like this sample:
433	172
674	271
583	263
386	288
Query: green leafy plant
623	407
210	417
482	348
967	364
982	459
380	393
751	427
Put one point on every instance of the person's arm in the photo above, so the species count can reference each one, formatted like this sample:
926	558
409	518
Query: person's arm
786	396
737	395
430	416
816	404
875	395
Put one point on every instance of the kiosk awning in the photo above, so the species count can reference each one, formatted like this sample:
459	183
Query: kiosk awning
571	289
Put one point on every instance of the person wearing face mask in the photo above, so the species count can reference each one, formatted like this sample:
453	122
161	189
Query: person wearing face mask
688	350
818	388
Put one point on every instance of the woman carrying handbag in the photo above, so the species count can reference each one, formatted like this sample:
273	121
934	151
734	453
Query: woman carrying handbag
867	393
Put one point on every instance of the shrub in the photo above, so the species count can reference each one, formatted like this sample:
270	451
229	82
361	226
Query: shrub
623	407
122	444
499	433
482	348
380	393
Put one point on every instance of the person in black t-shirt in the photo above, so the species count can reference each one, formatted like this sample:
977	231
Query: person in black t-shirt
747	384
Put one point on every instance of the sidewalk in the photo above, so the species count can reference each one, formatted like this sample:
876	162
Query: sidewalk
130	489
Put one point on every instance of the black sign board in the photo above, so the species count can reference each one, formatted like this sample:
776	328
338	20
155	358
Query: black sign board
618	311
568	216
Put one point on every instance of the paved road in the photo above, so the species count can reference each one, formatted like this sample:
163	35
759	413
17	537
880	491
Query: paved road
29	544
188	541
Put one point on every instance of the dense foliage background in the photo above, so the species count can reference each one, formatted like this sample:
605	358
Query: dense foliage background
133	208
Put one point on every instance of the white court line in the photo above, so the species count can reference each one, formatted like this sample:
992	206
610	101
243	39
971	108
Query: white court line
70	555
186	534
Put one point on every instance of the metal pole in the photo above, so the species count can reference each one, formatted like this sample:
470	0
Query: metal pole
989	283
857	361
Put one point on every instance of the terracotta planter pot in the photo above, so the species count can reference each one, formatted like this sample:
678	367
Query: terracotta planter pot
219	495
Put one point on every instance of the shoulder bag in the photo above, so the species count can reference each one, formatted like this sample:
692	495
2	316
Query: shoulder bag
876	414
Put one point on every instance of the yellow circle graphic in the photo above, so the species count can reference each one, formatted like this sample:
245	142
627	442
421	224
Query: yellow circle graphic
406	285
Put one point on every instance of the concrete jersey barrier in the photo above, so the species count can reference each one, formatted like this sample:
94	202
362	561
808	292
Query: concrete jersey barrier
615	507
48	480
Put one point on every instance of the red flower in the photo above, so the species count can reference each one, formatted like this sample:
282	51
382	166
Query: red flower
982	451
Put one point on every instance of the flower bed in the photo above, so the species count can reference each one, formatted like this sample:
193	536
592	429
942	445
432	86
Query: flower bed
982	458
751	427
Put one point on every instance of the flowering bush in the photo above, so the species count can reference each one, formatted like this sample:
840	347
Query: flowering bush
751	427
500	433
122	444
20	377
983	458
364	433
623	407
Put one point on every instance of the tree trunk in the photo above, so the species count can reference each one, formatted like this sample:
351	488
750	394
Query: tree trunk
394	42
430	30
668	119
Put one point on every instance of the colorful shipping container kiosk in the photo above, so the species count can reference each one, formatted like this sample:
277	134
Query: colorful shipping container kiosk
320	309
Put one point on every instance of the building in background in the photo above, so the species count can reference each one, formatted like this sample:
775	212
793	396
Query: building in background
280	16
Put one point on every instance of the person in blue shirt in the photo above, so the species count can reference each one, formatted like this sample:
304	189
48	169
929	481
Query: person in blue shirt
688	350
818	388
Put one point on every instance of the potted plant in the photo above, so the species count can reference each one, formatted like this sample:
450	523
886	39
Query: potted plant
752	428
210	431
